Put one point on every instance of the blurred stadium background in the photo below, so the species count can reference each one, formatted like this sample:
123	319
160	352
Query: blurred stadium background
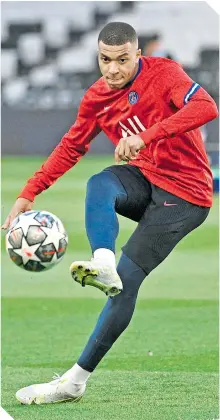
48	61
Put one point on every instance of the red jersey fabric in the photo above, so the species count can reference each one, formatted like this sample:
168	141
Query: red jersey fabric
165	107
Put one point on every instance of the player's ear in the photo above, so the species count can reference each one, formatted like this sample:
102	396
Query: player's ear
138	54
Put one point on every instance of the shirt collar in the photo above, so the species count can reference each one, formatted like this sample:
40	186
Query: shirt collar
136	75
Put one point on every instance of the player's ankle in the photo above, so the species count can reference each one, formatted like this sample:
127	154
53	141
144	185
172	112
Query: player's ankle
79	376
106	255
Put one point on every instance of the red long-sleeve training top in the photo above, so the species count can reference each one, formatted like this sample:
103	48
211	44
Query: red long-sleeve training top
165	107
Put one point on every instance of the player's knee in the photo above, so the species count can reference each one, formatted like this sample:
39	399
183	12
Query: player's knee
102	182
99	180
94	181
131	276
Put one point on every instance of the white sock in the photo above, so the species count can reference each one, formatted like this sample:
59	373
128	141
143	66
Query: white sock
78	374
105	254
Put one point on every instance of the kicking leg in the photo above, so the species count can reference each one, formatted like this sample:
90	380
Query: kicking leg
107	195
103	190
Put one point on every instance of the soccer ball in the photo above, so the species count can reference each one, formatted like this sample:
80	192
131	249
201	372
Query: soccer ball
36	240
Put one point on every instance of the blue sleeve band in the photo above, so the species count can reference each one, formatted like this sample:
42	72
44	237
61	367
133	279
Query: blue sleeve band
195	86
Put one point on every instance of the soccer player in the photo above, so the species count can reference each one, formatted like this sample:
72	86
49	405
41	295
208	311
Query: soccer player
151	110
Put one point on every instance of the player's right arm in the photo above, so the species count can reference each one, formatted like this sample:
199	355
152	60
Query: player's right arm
72	147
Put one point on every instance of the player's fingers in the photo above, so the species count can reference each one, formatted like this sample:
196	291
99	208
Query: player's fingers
134	151
116	152
10	219
116	155
119	151
6	223
126	152
134	156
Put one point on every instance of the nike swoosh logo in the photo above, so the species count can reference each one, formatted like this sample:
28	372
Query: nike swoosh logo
168	204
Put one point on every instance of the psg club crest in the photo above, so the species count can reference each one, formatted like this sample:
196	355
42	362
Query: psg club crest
133	97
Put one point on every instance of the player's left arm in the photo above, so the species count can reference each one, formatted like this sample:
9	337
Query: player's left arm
195	107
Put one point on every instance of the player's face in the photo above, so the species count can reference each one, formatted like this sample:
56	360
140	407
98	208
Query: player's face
118	63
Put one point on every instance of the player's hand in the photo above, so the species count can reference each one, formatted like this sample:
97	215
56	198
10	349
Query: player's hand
21	205
128	148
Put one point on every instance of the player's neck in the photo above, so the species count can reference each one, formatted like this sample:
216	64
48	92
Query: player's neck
136	73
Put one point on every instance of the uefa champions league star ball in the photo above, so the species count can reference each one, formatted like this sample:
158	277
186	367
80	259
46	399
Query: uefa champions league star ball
36	240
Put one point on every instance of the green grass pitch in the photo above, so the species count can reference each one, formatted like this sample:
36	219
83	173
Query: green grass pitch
47	318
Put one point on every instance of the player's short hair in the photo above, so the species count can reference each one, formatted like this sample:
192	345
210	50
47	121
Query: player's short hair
117	33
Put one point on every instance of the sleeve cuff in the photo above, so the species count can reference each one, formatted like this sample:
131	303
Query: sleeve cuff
26	194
